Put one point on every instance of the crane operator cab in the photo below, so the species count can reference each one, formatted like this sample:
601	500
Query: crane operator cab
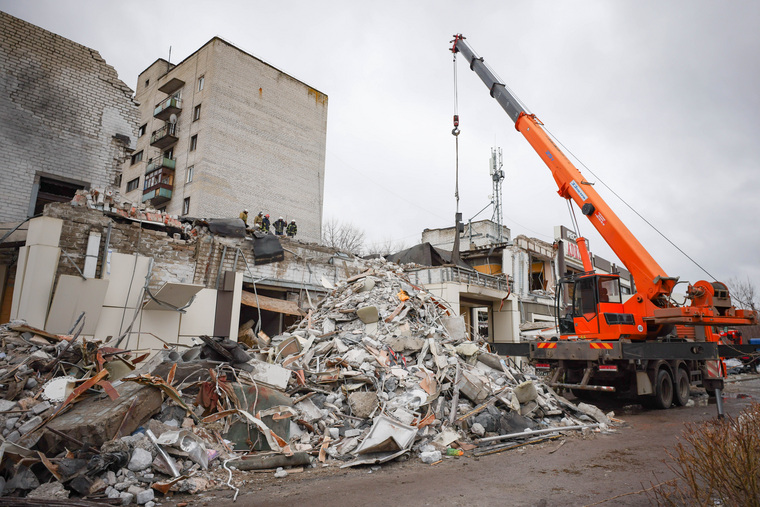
590	306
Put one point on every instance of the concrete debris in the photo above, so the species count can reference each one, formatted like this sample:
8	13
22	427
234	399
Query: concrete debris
377	370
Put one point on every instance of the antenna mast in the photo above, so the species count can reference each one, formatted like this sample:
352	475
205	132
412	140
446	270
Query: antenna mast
497	175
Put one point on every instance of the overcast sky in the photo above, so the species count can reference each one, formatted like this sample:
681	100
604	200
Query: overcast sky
659	99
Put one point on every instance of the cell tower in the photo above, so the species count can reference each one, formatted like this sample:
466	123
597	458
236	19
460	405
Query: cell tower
497	175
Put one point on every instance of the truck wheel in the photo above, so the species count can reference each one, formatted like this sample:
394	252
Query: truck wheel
682	387
663	389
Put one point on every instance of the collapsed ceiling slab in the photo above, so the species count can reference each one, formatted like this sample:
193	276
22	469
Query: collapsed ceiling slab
271	304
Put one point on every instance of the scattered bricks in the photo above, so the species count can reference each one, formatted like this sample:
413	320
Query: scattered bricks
126	498
141	459
6	405
49	491
30	425
144	496
41	407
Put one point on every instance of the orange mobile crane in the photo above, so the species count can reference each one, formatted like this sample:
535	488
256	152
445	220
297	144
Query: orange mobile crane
606	342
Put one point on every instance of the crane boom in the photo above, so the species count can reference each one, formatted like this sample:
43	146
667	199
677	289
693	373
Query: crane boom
650	312
649	277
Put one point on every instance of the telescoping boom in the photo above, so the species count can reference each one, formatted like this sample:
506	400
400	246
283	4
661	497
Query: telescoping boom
597	310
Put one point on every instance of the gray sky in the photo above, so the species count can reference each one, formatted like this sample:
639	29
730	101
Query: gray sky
659	99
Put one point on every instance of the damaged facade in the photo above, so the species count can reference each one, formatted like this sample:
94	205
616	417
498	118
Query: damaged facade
530	268
222	131
379	368
66	119
109	263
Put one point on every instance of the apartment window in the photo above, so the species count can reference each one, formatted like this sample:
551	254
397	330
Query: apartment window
197	113
133	185
169	153
141	130
194	142
137	157
189	174
117	180
200	83
186	206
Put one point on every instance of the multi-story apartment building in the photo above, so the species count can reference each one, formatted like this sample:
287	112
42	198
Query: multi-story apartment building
222	131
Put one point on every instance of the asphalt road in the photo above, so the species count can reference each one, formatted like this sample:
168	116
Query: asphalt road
609	469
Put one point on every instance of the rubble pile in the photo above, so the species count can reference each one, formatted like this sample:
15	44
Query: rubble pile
108	201
378	370
380	355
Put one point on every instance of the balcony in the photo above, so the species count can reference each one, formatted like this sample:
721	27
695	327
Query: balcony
171	86
165	136
159	162
159	185
168	107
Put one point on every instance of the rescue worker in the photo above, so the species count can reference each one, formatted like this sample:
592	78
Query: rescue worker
265	224
244	217
279	226
292	229
257	220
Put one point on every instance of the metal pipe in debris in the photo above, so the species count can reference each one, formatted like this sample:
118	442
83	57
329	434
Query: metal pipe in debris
530	433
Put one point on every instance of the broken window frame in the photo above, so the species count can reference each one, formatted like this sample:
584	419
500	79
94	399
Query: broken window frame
137	157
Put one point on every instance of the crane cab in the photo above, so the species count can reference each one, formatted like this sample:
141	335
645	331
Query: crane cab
590	306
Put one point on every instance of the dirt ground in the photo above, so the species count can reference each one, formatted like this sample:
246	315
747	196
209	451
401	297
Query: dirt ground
569	471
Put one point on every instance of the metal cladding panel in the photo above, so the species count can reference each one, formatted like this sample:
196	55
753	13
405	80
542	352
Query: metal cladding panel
127	275
172	295
74	295
198	318
41	266
158	328
44	231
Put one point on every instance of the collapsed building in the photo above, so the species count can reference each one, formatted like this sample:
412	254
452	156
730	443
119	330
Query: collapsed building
131	345
528	267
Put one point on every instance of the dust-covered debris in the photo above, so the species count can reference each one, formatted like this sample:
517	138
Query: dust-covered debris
380	369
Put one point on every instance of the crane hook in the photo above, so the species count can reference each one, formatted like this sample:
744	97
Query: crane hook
455	131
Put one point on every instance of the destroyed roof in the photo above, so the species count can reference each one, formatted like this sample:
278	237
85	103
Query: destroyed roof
425	254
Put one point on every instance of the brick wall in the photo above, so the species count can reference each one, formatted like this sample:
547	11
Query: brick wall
61	105
174	260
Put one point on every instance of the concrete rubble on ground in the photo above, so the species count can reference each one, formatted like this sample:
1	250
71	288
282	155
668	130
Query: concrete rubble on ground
380	370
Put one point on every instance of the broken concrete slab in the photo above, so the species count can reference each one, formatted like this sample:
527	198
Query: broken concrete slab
362	403
367	314
271	374
525	392
97	419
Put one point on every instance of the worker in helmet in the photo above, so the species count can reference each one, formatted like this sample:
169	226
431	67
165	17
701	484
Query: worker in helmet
244	217
258	219
292	229
279	226
265	224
